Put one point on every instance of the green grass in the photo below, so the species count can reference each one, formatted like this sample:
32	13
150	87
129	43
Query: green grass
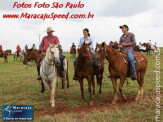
18	85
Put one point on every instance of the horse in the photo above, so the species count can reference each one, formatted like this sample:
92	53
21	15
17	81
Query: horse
49	72
73	52
100	64
9	51
119	69
31	54
21	54
149	47
84	68
5	56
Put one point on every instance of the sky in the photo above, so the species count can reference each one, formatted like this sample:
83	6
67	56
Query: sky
144	18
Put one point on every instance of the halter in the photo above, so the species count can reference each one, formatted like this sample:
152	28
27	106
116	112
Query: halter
50	64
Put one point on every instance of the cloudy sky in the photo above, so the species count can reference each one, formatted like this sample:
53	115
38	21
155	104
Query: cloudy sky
144	18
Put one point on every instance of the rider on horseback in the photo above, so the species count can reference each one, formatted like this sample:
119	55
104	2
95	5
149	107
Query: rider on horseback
74	47
87	39
127	42
1	50
50	39
18	50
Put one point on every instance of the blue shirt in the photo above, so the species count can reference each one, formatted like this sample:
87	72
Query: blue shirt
88	41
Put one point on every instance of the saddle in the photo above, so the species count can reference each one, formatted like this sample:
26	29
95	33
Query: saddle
137	57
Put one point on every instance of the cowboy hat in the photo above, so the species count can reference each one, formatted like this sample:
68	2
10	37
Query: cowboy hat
49	29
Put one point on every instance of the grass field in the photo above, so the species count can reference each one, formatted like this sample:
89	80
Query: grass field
18	85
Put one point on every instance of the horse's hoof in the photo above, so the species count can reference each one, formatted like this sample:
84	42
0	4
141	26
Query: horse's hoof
82	101
42	91
52	107
91	103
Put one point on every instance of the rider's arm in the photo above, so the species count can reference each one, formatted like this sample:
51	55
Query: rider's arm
133	42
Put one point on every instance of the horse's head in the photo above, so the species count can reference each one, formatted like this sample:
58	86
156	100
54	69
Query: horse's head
28	56
85	50
100	51
53	54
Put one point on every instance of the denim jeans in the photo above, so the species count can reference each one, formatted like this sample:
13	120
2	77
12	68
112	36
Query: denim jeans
131	60
61	59
93	56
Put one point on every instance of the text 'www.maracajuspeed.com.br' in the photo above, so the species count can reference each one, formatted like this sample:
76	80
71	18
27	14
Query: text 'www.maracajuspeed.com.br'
44	16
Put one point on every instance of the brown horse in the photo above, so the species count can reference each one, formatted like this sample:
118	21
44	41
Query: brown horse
29	55
119	69
84	69
73	52
100	63
5	55
148	48
9	51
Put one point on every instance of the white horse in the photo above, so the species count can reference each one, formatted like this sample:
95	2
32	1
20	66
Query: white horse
48	71
21	54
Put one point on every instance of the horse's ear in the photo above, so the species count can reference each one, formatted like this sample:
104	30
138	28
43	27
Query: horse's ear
90	43
103	45
84	43
50	45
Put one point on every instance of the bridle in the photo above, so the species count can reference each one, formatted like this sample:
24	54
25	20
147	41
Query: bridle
50	64
86	54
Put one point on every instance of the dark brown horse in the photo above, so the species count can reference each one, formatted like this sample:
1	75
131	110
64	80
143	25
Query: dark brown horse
148	48
84	68
119	69
9	51
29	55
73	51
5	55
100	63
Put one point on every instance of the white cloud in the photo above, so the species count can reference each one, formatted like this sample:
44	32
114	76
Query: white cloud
144	19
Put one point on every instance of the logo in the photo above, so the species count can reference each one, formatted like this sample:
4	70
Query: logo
17	112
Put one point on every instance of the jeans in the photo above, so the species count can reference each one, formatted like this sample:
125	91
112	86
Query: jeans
131	60
61	59
93	56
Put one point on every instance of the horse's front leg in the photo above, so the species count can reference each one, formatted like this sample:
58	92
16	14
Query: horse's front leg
114	82
90	90
82	90
54	83
122	79
64	83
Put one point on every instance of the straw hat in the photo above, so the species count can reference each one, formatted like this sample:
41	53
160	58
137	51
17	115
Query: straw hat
49	29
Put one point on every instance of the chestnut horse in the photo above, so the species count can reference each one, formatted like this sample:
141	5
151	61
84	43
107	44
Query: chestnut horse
5	55
73	52
84	68
29	55
118	69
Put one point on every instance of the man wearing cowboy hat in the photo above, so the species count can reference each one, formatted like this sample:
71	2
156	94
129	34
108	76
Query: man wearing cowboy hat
50	38
127	43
